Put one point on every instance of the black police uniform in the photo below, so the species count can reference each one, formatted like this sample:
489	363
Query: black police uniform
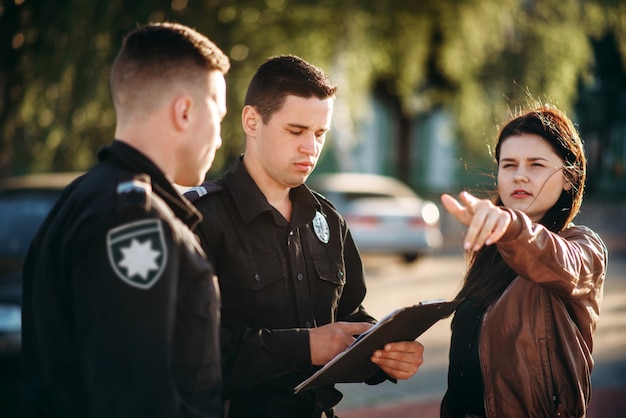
121	306
277	280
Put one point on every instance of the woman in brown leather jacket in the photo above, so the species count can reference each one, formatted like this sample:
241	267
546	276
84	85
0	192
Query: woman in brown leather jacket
522	339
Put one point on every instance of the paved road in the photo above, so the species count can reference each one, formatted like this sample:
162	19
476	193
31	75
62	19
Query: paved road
392	284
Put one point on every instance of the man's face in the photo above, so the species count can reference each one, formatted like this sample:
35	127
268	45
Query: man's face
204	135
289	144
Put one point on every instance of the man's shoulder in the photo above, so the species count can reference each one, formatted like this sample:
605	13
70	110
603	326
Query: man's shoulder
92	192
99	201
119	194
327	207
323	199
207	188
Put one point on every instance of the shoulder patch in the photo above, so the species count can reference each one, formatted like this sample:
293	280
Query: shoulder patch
205	188
138	252
134	193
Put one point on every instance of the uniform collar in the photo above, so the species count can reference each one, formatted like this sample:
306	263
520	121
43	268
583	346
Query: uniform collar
124	155
251	202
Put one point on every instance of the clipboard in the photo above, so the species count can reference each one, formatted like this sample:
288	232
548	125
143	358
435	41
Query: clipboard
353	365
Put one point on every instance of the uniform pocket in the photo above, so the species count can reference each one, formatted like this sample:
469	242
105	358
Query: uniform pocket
329	287
253	272
255	292
329	271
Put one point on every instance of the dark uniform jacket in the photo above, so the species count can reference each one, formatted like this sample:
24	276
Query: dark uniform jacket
121	306
277	280
536	340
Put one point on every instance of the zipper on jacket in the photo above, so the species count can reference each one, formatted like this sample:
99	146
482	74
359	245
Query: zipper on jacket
548	375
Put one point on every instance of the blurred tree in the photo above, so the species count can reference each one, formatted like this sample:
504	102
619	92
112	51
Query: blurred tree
602	101
58	110
11	43
477	58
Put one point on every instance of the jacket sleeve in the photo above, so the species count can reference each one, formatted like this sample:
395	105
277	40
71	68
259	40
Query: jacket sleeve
125	332
570	263
251	357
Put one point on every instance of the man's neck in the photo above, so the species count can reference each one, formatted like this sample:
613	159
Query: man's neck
276	194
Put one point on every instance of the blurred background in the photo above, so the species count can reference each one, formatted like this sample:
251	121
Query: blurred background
423	88
423	85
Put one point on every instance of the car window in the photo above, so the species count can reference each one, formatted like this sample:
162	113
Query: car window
21	215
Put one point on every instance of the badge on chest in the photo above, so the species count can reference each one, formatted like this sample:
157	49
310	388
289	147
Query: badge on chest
320	226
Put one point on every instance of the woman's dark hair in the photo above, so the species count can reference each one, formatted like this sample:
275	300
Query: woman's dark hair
488	275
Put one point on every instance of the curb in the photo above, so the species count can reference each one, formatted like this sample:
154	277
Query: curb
605	403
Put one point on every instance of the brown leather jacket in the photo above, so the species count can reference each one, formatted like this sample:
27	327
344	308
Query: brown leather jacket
536	339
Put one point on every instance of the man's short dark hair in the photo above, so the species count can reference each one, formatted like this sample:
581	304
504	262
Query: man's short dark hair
156	54
285	75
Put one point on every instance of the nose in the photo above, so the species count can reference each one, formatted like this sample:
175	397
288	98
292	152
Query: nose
308	145
520	175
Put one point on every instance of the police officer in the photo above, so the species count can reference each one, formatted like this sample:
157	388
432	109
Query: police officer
290	275
121	307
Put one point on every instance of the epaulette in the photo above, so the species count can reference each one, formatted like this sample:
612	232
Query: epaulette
134	194
204	189
324	198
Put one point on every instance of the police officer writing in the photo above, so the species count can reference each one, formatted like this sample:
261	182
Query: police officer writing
291	277
121	308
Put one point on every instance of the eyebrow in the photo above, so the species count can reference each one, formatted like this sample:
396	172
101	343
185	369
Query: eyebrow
300	126
297	125
528	159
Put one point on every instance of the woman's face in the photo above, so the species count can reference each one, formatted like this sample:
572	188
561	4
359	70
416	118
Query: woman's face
530	175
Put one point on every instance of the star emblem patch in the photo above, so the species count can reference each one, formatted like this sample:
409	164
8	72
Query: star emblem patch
137	252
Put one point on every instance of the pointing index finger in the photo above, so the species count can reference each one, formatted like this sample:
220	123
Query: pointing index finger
457	209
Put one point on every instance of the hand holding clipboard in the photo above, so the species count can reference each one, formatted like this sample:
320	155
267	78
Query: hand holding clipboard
353	365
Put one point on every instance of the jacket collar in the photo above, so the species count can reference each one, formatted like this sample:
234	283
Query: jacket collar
251	202
124	155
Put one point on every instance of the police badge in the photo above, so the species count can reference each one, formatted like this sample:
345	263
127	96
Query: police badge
320	226
137	252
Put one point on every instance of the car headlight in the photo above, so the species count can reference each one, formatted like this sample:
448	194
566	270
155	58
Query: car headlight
430	213
10	318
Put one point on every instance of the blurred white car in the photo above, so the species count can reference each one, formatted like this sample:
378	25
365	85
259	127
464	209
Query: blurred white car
385	215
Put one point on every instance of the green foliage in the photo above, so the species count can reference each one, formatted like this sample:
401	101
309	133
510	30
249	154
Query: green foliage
477	58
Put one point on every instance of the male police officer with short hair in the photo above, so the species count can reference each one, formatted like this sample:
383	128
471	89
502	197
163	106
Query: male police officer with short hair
121	308
290	275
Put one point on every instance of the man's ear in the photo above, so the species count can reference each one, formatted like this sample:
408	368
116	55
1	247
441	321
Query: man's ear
181	112
250	120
